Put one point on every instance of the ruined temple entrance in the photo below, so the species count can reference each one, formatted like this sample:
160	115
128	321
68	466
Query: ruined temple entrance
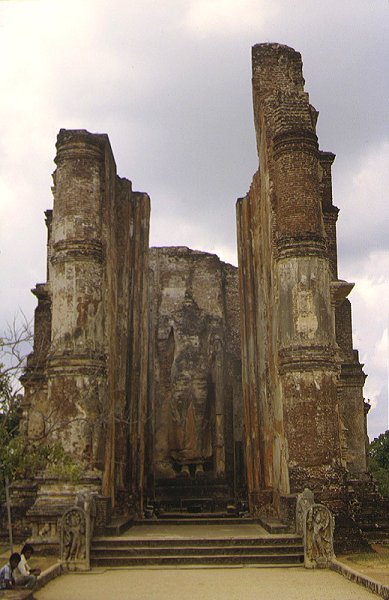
195	408
136	368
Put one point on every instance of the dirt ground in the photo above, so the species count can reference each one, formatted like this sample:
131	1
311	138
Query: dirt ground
204	584
239	583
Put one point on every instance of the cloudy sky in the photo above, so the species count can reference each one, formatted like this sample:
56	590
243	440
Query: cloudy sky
169	81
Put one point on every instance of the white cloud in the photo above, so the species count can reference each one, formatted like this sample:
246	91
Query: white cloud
224	17
370	307
362	190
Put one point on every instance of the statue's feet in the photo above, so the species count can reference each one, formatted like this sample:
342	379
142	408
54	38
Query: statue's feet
184	471
199	470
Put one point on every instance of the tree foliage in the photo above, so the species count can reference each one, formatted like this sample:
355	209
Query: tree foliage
20	457
379	461
14	345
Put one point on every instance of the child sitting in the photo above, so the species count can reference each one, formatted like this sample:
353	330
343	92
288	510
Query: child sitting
7	581
24	575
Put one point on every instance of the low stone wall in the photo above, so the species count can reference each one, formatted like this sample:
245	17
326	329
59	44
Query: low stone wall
374	586
23	594
49	574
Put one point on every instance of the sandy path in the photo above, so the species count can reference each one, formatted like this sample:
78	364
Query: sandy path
204	584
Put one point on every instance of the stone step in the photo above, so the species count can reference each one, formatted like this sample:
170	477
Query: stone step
221	548
225	550
186	513
293	558
106	542
274	526
189	514
118	525
195	519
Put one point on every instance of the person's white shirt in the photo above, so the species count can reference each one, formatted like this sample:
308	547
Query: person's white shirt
22	569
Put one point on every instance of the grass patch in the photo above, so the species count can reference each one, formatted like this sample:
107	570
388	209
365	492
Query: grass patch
374	564
368	558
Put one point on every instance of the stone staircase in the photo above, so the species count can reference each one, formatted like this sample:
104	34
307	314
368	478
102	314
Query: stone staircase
196	523
214	539
122	552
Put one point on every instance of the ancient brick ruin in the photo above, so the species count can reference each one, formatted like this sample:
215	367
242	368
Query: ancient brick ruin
139	368
302	380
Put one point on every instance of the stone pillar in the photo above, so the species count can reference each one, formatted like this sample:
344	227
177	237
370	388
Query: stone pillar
76	365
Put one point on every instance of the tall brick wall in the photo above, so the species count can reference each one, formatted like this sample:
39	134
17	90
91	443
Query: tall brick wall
94	306
292	363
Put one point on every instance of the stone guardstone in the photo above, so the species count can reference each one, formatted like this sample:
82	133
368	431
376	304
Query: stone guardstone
75	539
303	504
319	526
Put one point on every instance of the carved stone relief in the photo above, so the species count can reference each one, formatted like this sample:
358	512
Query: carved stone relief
74	535
318	537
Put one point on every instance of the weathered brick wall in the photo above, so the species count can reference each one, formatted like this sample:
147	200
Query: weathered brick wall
330	212
350	394
94	306
126	223
287	259
265	438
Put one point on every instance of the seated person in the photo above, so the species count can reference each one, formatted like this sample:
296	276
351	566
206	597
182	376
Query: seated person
7	581
23	574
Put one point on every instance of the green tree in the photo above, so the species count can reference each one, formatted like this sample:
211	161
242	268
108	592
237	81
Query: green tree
20	457
379	461
14	346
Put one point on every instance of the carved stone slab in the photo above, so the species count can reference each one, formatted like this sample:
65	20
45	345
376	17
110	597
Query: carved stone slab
318	537
303	504
75	538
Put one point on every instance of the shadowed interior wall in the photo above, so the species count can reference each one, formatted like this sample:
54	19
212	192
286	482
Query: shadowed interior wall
195	369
